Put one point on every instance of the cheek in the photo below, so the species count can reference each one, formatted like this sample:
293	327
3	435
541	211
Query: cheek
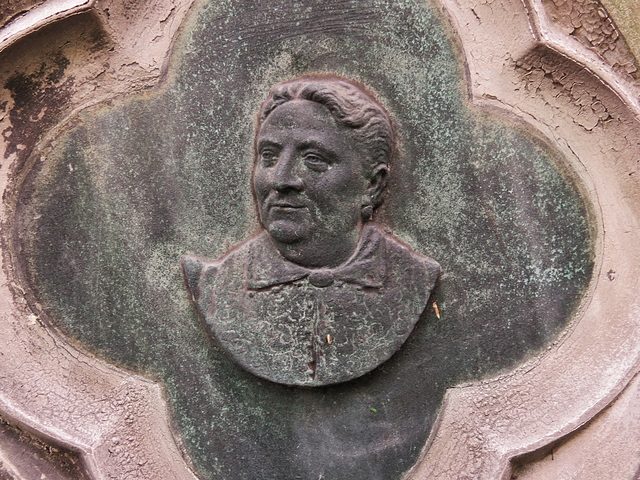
345	186
339	197
260	183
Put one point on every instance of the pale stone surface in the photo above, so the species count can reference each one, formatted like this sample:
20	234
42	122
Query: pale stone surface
10	9
24	457
482	427
608	447
116	421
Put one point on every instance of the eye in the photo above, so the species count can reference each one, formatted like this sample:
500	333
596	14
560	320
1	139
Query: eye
316	162
268	157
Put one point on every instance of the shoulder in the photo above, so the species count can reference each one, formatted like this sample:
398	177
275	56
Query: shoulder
194	269
404	260
198	271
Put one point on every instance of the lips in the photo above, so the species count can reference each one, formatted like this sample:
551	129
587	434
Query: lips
285	204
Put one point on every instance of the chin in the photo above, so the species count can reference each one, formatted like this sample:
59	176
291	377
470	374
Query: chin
287	231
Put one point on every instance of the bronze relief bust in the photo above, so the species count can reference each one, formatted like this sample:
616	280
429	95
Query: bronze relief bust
322	294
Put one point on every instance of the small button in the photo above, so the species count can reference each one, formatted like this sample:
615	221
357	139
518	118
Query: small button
321	278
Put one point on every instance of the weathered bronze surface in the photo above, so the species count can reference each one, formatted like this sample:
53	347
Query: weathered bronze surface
322	295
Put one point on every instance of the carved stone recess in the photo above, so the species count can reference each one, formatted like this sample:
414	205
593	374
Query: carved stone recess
484	427
522	61
604	448
11	9
588	22
23	456
117	423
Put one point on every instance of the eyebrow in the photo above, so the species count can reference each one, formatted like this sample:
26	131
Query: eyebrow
264	142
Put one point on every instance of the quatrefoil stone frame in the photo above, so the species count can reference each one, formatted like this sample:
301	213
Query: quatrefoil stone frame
119	422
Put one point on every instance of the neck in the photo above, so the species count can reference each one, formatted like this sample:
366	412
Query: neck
321	251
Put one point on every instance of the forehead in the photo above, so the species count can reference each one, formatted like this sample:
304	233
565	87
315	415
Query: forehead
300	120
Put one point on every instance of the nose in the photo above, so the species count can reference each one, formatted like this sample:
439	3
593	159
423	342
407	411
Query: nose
286	175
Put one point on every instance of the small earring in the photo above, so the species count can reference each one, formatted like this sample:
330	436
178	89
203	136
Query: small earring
367	212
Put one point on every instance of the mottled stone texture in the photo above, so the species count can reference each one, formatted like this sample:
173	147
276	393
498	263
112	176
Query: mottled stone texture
37	87
589	22
626	15
132	186
546	72
22	456
10	9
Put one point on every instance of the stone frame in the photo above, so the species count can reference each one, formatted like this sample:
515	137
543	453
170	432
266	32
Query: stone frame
519	61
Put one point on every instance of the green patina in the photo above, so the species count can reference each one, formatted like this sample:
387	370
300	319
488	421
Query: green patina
134	186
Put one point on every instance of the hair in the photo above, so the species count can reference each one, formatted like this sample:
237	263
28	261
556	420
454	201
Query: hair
350	103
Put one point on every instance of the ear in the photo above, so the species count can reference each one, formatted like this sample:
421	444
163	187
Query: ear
378	182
